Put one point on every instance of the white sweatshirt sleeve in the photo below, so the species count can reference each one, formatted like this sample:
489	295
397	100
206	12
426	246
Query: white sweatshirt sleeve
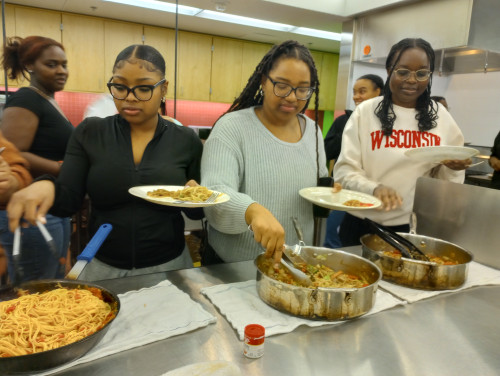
348	169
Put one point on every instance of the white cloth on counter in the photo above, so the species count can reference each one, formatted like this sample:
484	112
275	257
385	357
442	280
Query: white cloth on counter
147	315
478	275
241	305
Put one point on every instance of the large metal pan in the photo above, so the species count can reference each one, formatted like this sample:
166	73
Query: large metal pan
29	364
415	273
322	303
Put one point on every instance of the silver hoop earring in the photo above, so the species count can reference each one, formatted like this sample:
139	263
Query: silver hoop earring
261	93
30	71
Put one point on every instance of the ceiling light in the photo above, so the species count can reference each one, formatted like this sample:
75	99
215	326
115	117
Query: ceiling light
225	17
159	5
240	20
316	33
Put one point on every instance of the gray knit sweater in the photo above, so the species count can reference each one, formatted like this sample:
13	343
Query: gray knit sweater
246	161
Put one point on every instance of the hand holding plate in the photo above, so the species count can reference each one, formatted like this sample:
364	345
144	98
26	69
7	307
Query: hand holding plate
388	196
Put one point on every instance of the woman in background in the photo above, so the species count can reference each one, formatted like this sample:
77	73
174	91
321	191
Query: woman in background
261	153
106	157
381	129
366	87
34	123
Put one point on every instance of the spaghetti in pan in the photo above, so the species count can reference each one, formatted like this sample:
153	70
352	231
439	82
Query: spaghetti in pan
47	323
44	321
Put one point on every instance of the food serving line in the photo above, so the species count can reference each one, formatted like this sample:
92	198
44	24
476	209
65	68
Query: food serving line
454	333
172	319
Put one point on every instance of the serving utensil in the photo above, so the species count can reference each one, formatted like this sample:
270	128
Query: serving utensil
89	251
52	246
294	251
407	248
297	274
16	255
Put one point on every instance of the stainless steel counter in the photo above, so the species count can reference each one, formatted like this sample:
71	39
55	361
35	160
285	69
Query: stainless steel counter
452	334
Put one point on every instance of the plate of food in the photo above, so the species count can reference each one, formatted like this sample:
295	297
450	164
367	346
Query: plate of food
175	195
438	154
345	200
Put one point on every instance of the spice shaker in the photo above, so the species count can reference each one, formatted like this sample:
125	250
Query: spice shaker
254	341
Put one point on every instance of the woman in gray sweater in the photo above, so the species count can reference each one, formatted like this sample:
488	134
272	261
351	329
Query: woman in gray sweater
261	153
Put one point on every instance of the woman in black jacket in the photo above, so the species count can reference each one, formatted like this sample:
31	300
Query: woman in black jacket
107	156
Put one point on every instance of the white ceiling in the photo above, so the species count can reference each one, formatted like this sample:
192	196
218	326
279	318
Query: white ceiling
326	15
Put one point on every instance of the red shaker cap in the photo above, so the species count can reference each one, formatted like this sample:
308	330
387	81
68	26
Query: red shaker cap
255	331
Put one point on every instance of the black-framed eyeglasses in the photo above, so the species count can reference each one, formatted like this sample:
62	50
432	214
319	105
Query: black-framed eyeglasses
283	90
420	75
141	92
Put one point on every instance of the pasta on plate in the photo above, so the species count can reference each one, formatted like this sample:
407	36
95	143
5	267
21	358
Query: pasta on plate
193	194
44	321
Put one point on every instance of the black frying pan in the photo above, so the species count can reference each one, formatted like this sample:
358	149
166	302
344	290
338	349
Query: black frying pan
28	364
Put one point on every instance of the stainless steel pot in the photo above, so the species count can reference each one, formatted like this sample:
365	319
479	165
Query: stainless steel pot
419	274
322	303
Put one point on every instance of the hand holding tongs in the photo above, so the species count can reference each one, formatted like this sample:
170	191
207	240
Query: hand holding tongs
297	274
407	248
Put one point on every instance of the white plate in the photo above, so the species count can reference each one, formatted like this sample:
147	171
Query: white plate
323	196
142	192
437	154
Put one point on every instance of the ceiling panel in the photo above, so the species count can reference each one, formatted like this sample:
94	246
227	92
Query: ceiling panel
271	10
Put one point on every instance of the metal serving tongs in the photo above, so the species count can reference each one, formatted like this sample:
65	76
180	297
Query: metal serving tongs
297	274
407	248
16	255
294	251
52	247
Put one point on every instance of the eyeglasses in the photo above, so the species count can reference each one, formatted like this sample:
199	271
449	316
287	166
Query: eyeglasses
283	90
141	92
420	75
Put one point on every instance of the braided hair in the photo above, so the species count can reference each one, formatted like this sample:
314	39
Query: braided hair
425	107
253	96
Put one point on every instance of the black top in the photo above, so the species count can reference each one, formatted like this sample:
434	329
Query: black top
53	130
99	162
495	151
333	139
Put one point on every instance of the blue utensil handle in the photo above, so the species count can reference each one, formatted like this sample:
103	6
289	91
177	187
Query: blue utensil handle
95	243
